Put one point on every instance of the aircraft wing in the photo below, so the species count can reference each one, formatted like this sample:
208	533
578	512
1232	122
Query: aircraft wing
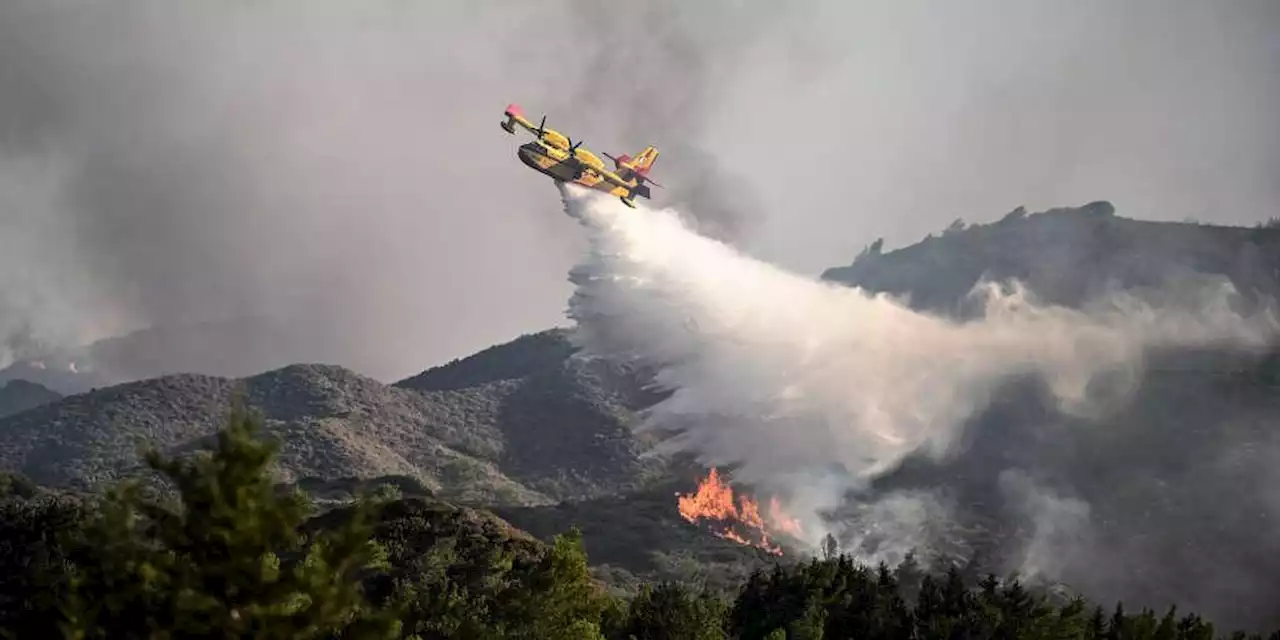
515	116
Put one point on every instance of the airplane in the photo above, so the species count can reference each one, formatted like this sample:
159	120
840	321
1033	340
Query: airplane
555	155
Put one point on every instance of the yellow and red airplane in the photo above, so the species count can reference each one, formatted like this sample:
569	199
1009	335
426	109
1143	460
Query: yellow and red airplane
555	155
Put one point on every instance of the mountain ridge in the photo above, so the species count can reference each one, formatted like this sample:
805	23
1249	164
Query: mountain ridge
1067	255
534	431
19	395
330	421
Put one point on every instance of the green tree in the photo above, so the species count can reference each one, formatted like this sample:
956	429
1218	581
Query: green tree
32	562
225	559
810	624
556	597
670	612
16	485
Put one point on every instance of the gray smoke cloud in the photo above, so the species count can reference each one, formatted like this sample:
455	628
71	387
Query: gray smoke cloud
287	162
312	168
658	72
783	373
1060	527
820	392
38	305
315	165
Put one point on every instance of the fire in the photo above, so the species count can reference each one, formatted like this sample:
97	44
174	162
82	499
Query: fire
736	518
782	521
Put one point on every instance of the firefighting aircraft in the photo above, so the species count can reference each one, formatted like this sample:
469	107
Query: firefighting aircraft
557	156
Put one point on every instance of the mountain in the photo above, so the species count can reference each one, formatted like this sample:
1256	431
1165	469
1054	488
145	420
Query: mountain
641	537
57	372
1167	497
231	348
566	421
1066	256
17	396
534	428
331	422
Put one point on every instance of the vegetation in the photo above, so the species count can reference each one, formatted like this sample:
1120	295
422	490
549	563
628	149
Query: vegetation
540	438
231	554
470	437
1066	255
1144	476
640	537
17	396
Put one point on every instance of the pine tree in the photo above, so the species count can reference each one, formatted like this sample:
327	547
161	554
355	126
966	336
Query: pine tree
670	612
557	597
1168	629
811	623
1072	619
32	563
1118	629
830	547
226	559
909	575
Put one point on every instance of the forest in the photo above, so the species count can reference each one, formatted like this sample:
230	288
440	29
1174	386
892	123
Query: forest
211	547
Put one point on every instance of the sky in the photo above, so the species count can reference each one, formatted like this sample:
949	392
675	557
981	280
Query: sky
337	167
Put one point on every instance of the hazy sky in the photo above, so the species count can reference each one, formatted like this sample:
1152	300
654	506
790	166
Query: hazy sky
339	166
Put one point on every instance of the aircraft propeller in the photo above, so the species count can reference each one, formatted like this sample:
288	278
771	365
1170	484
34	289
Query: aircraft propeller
542	126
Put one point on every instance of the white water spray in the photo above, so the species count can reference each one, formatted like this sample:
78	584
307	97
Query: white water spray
791	377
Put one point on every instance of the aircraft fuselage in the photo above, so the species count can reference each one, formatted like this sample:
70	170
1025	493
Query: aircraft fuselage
557	164
536	157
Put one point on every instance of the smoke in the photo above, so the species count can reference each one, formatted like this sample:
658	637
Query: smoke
40	305
656	77
310	168
313	166
171	164
816	374
896	524
785	377
1060	526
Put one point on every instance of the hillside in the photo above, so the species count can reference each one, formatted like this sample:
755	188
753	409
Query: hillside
640	537
232	348
1177	479
1067	255
17	396
1163	498
459	442
414	531
566	421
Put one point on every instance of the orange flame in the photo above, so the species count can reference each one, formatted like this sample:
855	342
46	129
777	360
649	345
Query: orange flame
737	519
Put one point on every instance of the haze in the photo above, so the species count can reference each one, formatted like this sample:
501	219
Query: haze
782	374
840	401
339	169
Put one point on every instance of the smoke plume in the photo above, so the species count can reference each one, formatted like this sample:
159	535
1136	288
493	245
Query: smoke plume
816	391
780	372
306	171
313	166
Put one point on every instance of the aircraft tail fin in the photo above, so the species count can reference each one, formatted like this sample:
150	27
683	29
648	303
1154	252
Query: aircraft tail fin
637	167
644	160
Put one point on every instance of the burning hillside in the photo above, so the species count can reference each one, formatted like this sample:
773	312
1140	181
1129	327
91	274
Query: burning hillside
736	518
